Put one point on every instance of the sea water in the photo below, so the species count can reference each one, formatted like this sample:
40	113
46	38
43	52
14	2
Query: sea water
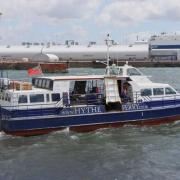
127	153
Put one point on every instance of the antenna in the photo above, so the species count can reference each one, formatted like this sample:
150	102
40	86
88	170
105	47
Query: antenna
42	49
108	59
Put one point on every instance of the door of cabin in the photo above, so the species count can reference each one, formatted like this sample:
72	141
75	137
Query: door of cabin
112	90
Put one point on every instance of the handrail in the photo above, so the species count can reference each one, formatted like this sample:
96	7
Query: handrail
137	94
166	96
92	98
60	103
86	98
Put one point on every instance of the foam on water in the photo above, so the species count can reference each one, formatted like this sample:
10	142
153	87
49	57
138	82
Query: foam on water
74	137
176	122
5	136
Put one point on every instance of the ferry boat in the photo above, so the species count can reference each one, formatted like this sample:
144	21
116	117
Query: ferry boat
122	96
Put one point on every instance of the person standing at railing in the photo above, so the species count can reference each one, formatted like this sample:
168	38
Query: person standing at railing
126	92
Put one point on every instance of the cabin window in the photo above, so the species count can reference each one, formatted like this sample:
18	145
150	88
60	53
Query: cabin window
22	99
47	98
55	97
51	85
36	82
146	92
7	97
40	83
120	71
44	83
71	87
3	96
133	72
158	91
35	98
33	81
47	84
115	71
80	87
169	90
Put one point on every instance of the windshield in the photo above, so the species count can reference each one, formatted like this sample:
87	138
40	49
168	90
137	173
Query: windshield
133	72
115	71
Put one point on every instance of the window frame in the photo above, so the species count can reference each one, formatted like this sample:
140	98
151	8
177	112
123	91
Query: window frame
52	98
171	91
47	98
129	74
23	102
36	99
149	89
43	83
158	94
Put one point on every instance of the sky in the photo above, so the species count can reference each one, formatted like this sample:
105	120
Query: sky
86	20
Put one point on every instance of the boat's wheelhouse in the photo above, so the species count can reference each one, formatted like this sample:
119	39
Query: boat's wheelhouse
136	87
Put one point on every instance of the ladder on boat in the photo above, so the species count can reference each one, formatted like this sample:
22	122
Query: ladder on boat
111	90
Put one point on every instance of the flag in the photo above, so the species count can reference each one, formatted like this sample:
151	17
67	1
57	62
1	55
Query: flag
34	71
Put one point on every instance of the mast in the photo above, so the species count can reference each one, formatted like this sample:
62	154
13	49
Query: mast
108	58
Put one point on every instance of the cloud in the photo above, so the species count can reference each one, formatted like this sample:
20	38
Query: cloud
13	34
24	16
71	9
75	33
78	18
126	12
60	9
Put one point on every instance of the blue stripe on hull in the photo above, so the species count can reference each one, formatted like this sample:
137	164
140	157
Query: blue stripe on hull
35	112
60	111
83	120
162	103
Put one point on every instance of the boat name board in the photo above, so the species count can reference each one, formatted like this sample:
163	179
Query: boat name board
134	106
83	110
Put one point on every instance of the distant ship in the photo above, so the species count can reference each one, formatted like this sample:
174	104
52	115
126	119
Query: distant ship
73	52
165	47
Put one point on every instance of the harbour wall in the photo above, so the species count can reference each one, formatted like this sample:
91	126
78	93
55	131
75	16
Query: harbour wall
19	65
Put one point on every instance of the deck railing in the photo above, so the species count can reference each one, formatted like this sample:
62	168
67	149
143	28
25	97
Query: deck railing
83	99
172	98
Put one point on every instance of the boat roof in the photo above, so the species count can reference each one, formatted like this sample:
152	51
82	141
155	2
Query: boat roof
80	77
34	90
153	85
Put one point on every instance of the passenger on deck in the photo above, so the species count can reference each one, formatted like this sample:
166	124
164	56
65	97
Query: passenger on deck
124	95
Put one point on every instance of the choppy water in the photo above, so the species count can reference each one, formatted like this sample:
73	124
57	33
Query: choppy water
132	153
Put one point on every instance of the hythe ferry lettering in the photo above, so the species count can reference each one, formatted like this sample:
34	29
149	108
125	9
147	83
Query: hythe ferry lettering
83	110
135	106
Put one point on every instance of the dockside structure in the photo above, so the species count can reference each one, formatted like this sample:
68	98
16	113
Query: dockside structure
158	48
